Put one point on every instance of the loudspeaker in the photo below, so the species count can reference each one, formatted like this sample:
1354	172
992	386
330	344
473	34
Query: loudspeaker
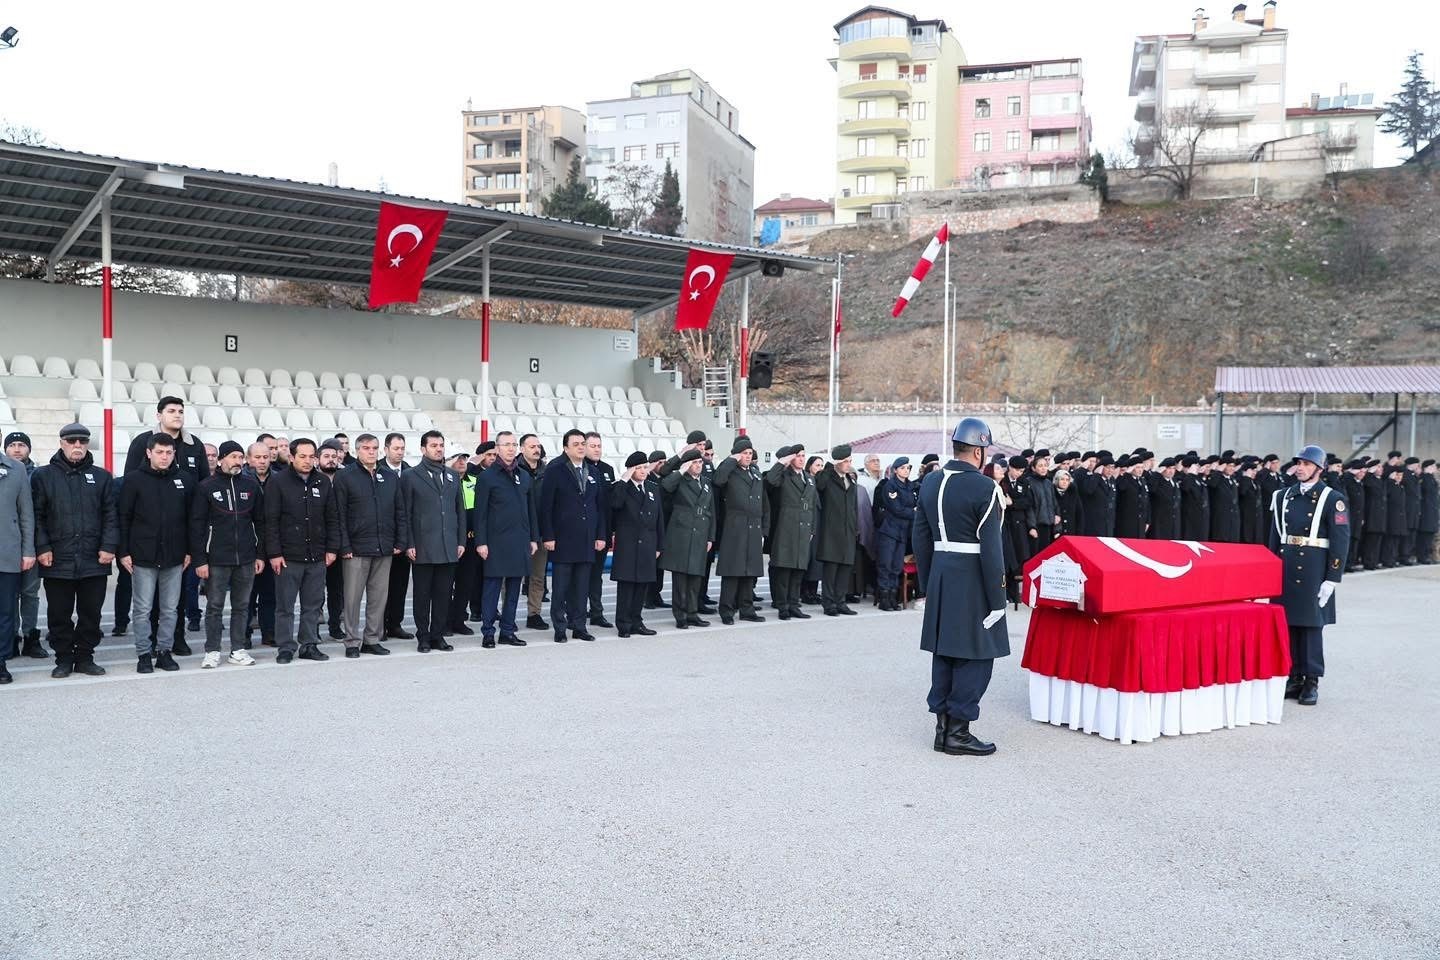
762	369
772	268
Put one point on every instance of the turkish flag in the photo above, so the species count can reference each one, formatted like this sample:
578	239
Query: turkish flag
704	276
404	240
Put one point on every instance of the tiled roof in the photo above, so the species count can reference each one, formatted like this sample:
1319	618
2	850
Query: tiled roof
779	205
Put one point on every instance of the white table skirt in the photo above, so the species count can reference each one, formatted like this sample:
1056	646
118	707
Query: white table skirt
1143	717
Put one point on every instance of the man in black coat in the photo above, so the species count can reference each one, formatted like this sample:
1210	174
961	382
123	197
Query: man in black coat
370	513
1224	502
573	530
507	535
394	464
1165	503
835	542
689	535
77	533
330	459
1252	511
154	516
594	450
1194	501
1377	514
532	461
637	519
1019	524
258	463
1132	500
1352	485
435	512
1393	553
302	539
743	518
1269	479
656	460
1096	485
1429	513
1412	510
225	549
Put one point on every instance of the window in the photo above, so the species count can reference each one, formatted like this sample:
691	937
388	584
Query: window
866	109
917	148
479	183
865	147
668	118
903	111
901	185
512	149
982	141
982	108
1049	104
1068	69
1180	59
667	151
1012	139
1049	140
593	183
1181	97
1041	177
905	72
918	183
1270	53
489	120
1265	92
1012	106
603	124
902	148
919	73
810	220
484	151
635	154
873	28
865	183
600	155
917	110
663	90
869	71
634	121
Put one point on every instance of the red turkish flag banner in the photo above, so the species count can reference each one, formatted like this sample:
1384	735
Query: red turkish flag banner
404	242
704	276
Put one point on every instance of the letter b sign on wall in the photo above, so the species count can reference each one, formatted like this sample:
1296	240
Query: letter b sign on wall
232	343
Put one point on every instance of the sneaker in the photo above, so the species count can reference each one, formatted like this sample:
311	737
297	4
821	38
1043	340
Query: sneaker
211	661
180	648
142	665
311	651
241	658
165	661
193	625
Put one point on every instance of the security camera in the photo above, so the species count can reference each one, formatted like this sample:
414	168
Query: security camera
9	36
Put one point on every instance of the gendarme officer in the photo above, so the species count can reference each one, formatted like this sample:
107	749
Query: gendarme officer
1311	534
960	559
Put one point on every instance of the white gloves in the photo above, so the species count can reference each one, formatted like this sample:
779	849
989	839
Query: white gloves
993	618
1327	590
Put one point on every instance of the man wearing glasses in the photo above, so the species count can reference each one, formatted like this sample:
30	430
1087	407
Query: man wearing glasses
76	535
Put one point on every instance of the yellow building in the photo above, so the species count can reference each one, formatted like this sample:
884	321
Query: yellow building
896	124
513	158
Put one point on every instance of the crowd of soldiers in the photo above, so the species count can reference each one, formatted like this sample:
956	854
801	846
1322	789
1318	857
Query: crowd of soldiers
1225	498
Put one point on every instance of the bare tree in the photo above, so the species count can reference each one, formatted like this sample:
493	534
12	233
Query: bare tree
1170	150
631	189
1033	425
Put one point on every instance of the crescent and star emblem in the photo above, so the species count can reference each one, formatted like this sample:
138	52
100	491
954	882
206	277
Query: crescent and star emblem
1166	570
709	272
401	230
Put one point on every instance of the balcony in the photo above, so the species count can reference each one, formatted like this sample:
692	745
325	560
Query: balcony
1145	65
896	87
1233	112
497	163
864	200
1038	158
1055	121
1145	142
880	163
1338	142
1145	105
1225	72
876	48
864	126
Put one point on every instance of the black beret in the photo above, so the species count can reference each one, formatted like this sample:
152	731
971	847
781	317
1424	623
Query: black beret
1410	460
1018	463
1331	458
841	452
1189	461
1167	462
783	452
695	436
1393	453
1271	458
1104	453
636	459
1125	461
1227	453
1041	453
1027	453
1211	459
690	455
1427	463
930	458
658	456
1087	454
740	445
485	448
1104	460
797	448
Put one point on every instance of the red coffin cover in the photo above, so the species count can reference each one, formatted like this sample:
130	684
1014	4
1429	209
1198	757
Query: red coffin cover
1123	575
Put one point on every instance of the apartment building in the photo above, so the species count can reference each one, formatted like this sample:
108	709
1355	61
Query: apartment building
790	219
512	158
1233	70
1345	125
896	124
1021	124
678	117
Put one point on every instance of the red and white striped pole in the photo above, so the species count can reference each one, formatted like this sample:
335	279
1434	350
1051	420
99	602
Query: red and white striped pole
744	353
485	344
107	334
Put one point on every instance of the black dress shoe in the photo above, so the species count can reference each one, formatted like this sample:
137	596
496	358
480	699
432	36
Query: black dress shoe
284	656
697	622
623	634
5	674
33	648
753	617
852	598
727	619
706	609
399	633
536	622
644	631
832	612
510	640
653	603
142	665
268	640
375	649
1310	693
422	646
1293	686
193	625
63	670
312	651
785	614
180	648
461	629
845	611
681	625
120	629
337	633
488	643
560	637
352	653
601	622
442	644
90	669
582	635
165	660
799	614
959	740
941	722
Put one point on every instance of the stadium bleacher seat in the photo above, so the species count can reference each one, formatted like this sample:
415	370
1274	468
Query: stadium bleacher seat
127	415
380	400
406	402
376	381
443	386
544	390
174	373
147	372
562	391
230	377
229	396
504	388
565	407
306	397
602	408
23	366
505	405
281	397
172	389
4	369
244	418
464	404
399	384
297	420
464	386
271	420
374	421
88	369
582	392
422	422
353	381
82	390
202	375
324	421
304	380
526	405
120	370
144	393
524	389
329	381
397	423
56	368
356	400
280	378
421	385
214	418
202	396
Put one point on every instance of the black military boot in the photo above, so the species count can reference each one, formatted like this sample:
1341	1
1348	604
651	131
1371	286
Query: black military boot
1310	693
942	722
1293	686
33	647
960	741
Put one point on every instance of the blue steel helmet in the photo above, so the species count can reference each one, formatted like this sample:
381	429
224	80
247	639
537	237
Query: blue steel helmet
973	432
1314	454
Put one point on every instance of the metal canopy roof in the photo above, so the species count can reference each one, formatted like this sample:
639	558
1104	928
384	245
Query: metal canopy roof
185	218
1327	379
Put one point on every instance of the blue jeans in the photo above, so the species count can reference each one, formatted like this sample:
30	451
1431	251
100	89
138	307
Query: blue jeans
144	582
29	602
491	604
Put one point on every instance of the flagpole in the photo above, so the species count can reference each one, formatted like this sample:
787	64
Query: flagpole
830	406
948	365
744	353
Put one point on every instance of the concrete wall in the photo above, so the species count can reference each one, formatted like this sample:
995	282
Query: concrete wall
971	212
53	320
1289	179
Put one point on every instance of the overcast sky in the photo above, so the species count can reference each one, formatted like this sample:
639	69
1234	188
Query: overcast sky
282	89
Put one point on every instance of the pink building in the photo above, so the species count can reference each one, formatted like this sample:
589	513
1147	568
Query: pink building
1021	124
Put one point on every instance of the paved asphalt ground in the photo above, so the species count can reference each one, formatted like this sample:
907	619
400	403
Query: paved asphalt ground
767	791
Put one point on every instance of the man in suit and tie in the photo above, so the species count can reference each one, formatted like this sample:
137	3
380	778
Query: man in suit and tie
572	529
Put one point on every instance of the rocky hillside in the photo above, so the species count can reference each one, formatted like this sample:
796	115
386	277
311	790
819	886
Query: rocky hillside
1145	302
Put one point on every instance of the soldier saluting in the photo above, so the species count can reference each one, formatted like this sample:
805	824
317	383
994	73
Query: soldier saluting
960	558
1311	534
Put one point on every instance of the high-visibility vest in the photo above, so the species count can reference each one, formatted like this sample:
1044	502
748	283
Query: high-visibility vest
467	487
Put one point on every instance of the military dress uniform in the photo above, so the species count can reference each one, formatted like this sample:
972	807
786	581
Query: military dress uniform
960	559
1311	535
635	516
688	535
743	516
895	505
792	527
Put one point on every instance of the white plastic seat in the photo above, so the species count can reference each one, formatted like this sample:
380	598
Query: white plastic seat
373	421
243	418
297	420
331	399
4	370
82	390
307	398
657	411
119	391
282	378
229	396
623	447
546	425
376	381
230	377
143	371
380	400
399	384
172	389
202	375
330	381
602	408
675	428
86	413
422	422
524	389
88	370
144	393
621	408
349	422
353	381
505	405
56	368
525	404
174	373
202	396
23	366
544	390
119	370
397	423
443	385
254	377
604	427
585	423
563	390
271	420
214	418
545	406
421	385
634	395
356	400
524	425
464	386
498	425
406	402
504	388
324	423
565	407
582	392
640	428
658	428
304	380
126	415
617	393
464	404
599	393
585	408
279	397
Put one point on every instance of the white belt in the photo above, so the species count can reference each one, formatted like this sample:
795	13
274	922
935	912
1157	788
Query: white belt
947	546
1293	541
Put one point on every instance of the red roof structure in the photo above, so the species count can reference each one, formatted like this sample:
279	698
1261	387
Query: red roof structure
1327	379
794	205
897	442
